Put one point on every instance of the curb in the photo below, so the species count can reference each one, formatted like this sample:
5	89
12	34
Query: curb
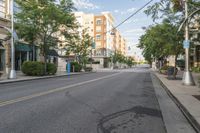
47	77
185	112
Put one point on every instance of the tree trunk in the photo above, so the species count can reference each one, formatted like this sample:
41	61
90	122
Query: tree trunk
45	64
45	55
33	55
175	70
150	63
34	52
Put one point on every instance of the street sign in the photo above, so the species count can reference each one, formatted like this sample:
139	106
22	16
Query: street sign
186	43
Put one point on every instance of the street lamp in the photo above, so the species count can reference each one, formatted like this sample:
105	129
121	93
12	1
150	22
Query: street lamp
187	77
92	47
12	72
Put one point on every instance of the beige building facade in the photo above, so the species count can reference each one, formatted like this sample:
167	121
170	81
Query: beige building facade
86	22
100	27
4	44
123	46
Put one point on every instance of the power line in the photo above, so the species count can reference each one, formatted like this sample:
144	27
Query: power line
131	16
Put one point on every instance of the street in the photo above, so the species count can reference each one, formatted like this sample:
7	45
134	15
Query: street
102	102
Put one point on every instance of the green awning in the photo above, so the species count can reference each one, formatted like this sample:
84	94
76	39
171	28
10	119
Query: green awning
52	53
23	47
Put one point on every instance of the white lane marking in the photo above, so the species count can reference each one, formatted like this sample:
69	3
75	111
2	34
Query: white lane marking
4	103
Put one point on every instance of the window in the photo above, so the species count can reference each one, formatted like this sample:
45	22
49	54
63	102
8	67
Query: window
98	21
98	29
98	37
98	53
2	8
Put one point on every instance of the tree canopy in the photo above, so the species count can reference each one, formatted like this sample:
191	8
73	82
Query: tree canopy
160	41
38	21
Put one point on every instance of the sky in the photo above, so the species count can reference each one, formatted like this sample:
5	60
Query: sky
121	9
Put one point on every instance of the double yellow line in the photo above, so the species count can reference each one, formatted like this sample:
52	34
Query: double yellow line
4	103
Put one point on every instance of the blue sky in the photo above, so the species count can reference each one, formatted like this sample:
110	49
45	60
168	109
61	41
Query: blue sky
121	9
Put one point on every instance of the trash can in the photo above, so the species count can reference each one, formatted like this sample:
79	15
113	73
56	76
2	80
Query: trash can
170	71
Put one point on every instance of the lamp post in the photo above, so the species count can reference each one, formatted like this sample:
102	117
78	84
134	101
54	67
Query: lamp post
92	47
14	38
187	77
91	58
12	72
113	33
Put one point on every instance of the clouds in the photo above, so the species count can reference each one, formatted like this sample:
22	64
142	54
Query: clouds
139	30
133	33
116	11
127	11
85	4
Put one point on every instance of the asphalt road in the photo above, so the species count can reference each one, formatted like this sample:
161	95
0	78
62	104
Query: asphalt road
103	102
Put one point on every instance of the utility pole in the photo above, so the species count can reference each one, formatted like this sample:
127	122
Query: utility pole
93	45
187	77
91	58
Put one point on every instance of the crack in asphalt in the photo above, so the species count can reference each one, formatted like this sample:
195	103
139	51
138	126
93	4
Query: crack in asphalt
94	110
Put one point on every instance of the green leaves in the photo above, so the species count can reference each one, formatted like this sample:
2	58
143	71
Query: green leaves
160	41
39	21
118	57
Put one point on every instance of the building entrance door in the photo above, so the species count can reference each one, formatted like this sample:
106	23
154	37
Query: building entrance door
2	59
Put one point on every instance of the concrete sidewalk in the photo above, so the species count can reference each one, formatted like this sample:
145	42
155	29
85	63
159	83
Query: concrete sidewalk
184	97
21	77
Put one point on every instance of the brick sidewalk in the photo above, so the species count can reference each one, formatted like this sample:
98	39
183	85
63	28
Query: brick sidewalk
184	97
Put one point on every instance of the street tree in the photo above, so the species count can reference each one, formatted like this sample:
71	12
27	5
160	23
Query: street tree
162	40
173	11
80	45
129	61
38	21
118	57
85	47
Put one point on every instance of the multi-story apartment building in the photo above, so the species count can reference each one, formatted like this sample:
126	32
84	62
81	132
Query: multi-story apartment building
123	46
118	41
195	54
4	47
86	22
100	27
104	40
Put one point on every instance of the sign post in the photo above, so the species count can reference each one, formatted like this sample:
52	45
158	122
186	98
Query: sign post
187	76
92	47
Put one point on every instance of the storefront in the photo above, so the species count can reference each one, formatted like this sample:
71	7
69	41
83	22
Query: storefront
2	58
23	52
52	57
